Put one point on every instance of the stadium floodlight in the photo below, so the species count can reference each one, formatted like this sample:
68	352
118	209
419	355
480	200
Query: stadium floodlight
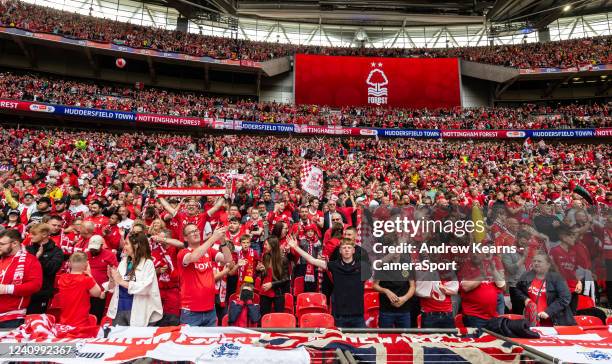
567	8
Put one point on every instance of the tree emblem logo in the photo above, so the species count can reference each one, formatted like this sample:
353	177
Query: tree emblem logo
377	83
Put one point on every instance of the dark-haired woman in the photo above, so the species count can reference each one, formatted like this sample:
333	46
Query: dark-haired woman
274	272
136	301
547	291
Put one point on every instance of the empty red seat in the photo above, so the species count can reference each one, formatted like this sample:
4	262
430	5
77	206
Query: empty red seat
298	286
317	320
289	305
459	322
311	302
225	321
368	287
419	321
278	319
609	320
588	321
371	306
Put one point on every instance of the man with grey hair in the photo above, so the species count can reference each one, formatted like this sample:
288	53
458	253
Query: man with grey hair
81	243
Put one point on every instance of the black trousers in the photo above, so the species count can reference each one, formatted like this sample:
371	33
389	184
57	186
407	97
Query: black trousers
38	305
266	304
518	305
97	307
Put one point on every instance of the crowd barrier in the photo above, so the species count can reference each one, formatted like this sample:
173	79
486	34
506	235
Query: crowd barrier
238	125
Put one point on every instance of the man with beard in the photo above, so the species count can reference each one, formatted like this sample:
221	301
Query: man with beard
61	210
100	258
20	277
95	216
50	257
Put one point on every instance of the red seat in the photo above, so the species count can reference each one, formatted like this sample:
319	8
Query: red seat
371	306
368	287
310	302
317	320
459	322
106	321
588	321
289	303
224	321
278	319
609	320
93	320
419	321
512	316
298	286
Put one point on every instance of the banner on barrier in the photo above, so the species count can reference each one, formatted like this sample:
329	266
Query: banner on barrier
170	120
269	127
189	191
231	124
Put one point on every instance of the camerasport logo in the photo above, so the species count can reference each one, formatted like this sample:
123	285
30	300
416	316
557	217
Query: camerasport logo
369	132
42	108
377	82
515	134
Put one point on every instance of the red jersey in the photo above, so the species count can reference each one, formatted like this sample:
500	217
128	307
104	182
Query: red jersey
112	236
99	264
182	218
537	293
481	301
74	298
197	282
100	222
23	272
566	262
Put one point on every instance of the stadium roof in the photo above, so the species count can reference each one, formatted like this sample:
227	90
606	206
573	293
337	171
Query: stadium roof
537	13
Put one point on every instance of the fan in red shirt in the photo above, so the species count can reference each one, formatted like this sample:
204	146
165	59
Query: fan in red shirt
567	260
75	289
100	221
112	232
20	277
164	251
247	259
100	259
197	283
481	280
193	215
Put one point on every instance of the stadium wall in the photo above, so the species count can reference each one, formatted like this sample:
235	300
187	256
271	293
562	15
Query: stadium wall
475	92
277	88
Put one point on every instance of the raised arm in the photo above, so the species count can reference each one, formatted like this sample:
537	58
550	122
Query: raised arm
309	258
195	255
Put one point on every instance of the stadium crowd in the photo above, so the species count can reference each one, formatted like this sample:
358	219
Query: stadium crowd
88	210
35	18
42	88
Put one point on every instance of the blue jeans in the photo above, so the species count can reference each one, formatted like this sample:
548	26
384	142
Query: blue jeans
350	321
473	321
437	320
398	320
194	318
501	304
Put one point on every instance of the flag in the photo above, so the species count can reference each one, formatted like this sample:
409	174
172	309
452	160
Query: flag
402	348
312	179
527	143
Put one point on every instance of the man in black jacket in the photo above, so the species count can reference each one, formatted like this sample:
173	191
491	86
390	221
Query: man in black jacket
51	258
349	272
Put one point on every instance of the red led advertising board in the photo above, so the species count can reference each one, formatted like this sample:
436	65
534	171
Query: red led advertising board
374	81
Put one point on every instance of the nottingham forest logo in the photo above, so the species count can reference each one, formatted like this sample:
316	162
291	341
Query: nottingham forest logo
377	85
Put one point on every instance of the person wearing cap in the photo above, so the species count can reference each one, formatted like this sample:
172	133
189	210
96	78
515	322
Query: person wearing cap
61	209
100	260
50	258
43	208
27	207
14	222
